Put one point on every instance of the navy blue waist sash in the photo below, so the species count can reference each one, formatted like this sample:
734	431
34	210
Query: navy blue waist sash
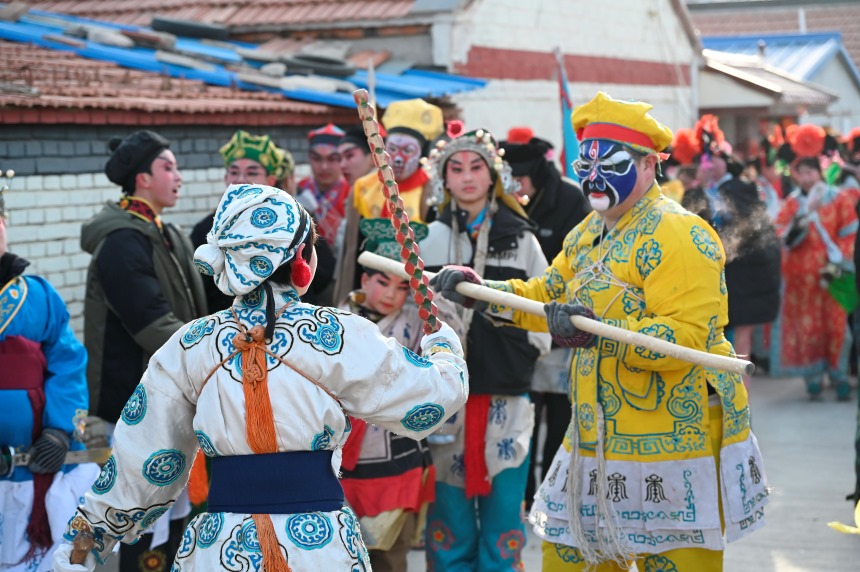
274	483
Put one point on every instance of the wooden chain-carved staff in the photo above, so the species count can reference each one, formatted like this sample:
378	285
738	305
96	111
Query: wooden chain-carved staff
596	327
409	251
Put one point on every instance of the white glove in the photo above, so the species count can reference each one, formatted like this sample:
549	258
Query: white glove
445	336
62	564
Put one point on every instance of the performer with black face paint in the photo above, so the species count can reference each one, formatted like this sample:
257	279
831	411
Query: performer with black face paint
650	456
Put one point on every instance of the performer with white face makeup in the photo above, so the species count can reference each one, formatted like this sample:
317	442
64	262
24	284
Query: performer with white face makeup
411	125
659	467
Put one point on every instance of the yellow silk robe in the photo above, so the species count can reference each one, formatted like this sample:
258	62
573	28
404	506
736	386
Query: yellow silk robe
659	271
369	199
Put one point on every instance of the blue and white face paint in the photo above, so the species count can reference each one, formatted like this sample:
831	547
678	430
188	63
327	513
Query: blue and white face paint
607	173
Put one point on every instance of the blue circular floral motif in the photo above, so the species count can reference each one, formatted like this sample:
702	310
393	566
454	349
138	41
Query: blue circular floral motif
135	408
203	267
209	528
248	537
164	467
253	299
106	478
416	359
329	337
423	417
310	531
152	516
263	217
196	331
206	444
261	266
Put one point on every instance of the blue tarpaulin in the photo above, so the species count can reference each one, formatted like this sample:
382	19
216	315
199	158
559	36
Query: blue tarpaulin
37	27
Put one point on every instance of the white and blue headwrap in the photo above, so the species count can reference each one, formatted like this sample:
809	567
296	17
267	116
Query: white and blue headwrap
256	229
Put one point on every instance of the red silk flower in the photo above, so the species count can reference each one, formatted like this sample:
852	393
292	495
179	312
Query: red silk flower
806	140
455	128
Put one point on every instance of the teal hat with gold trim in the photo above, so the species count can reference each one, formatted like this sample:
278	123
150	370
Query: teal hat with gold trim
380	236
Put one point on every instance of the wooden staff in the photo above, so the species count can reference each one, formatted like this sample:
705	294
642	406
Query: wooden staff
409	251
598	328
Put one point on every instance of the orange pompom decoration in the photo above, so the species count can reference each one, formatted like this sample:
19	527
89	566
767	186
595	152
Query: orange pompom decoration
520	135
455	128
776	138
710	124
853	135
686	146
301	271
806	140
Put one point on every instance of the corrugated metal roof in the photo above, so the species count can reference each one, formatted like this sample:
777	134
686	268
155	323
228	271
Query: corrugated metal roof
232	13
785	88
36	29
801	55
743	18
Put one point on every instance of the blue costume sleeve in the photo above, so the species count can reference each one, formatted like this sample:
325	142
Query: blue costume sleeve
66	391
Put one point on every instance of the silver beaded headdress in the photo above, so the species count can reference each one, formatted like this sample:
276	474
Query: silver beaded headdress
478	141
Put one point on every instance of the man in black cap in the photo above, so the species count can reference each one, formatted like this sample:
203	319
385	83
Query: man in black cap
556	205
141	288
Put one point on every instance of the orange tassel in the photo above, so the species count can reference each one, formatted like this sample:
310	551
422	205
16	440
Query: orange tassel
259	418
260	431
198	482
274	559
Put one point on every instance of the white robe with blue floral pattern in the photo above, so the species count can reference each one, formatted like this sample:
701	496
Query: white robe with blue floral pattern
169	417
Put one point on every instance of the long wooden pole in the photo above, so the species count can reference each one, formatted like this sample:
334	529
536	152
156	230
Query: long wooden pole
705	359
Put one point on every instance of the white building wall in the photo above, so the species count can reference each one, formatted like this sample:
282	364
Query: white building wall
46	213
625	29
843	114
628	29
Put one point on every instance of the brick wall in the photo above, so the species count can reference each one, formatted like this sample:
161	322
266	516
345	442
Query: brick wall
64	149
46	213
59	184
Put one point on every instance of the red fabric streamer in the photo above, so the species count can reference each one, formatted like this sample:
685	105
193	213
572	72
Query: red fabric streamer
474	457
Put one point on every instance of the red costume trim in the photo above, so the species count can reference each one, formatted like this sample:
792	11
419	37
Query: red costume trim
615	133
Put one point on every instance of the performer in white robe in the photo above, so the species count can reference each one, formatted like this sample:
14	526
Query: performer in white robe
274	436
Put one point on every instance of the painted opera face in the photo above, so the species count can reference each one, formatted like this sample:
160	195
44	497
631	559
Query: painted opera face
607	173
405	152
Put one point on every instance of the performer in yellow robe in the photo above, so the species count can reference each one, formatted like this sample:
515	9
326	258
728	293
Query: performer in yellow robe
411	126
664	458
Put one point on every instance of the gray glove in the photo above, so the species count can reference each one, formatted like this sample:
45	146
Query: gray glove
95	433
48	452
446	281
562	330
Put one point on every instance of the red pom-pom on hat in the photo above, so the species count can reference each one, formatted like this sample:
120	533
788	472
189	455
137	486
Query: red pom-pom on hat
806	140
686	146
520	135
